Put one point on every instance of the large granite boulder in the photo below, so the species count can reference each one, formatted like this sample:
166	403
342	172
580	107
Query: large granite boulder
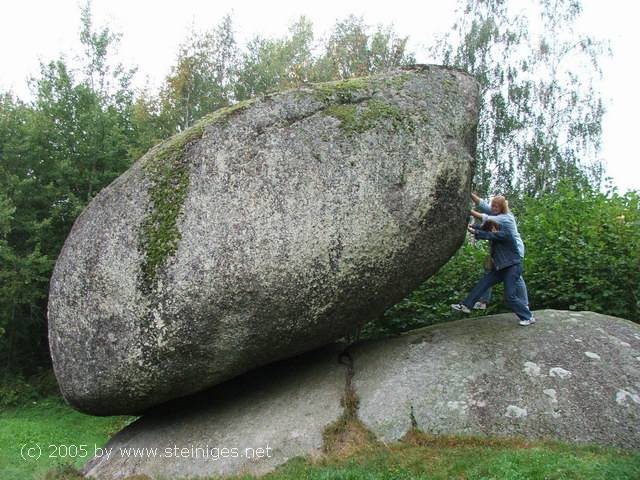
573	376
268	229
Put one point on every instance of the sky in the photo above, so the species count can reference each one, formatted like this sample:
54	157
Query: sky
41	30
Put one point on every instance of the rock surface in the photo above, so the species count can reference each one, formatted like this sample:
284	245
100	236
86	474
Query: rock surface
474	376
271	228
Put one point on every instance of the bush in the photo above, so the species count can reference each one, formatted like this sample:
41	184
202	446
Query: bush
582	253
16	390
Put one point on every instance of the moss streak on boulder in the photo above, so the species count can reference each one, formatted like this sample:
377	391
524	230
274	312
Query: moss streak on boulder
343	99
340	92
169	183
397	82
357	119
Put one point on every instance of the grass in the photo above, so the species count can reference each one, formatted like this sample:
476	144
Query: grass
423	456
47	422
455	458
350	451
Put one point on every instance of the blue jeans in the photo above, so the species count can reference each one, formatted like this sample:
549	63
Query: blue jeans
510	276
486	296
521	288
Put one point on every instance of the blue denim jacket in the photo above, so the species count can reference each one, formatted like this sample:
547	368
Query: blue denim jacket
506	221
504	248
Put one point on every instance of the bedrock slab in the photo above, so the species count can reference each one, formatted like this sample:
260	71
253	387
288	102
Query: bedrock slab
481	376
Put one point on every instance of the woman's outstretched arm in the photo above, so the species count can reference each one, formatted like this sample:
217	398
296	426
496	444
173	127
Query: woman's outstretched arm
500	235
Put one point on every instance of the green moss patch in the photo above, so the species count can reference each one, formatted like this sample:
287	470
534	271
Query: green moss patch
341	91
169	184
397	82
168	174
355	118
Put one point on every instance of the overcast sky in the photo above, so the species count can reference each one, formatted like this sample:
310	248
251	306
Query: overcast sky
34	30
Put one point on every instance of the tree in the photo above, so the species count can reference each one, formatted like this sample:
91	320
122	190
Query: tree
150	122
7	275
202	79
96	44
540	116
276	64
23	268
568	129
352	51
56	153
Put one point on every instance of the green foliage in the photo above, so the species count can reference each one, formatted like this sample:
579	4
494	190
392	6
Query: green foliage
351	51
97	46
540	114
16	390
202	79
269	65
56	153
583	251
149	124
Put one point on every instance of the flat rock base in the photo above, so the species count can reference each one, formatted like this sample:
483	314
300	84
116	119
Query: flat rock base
573	376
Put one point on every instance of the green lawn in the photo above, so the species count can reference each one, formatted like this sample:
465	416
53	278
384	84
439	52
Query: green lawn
49	422
402	461
419	456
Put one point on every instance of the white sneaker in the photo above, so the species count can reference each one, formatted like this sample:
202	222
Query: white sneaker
480	306
531	321
460	307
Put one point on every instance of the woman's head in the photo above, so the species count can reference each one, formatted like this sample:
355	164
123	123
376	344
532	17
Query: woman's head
499	205
490	226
